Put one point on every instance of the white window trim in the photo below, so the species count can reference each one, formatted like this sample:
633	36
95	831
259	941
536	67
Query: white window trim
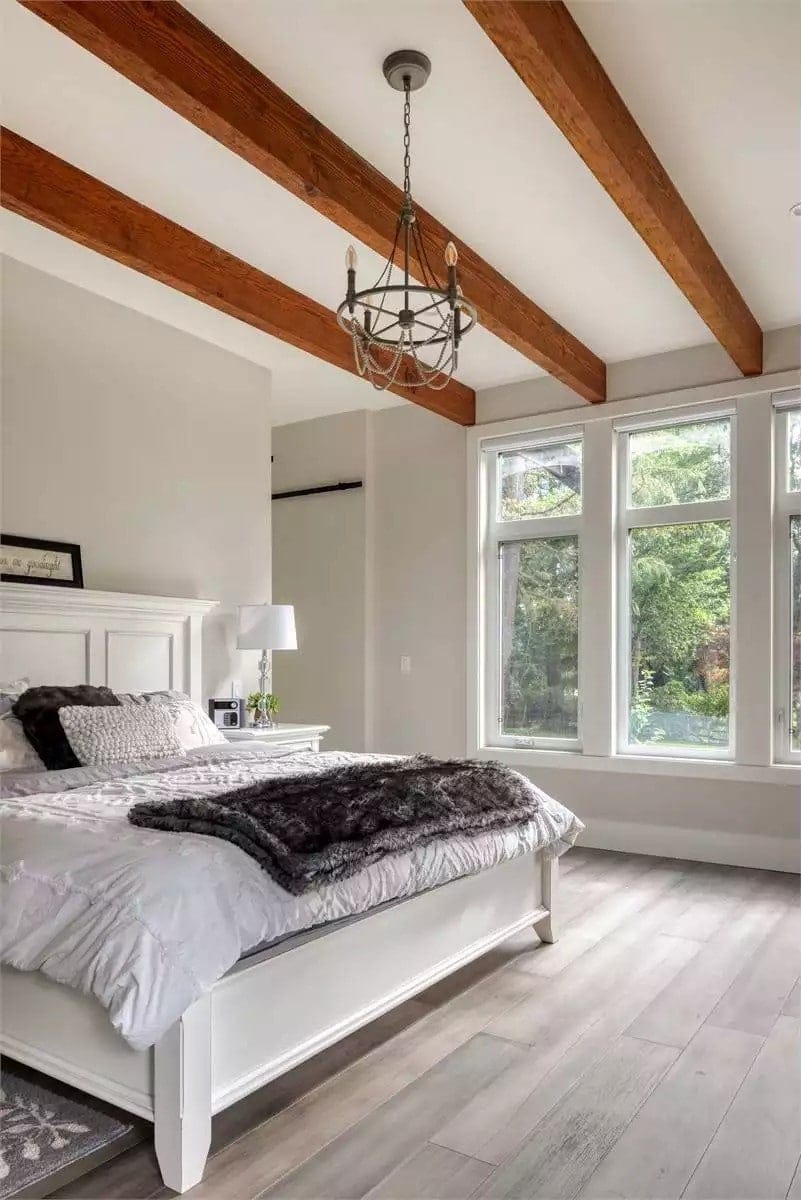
787	505
497	533
669	514
752	656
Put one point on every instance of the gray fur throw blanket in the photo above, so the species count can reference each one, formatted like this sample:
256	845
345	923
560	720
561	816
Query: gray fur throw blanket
309	830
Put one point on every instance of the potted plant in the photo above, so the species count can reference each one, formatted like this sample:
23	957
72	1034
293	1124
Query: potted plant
263	706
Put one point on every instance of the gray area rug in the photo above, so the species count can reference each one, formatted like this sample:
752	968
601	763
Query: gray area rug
47	1136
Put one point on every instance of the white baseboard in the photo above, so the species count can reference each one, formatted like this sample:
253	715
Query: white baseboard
700	845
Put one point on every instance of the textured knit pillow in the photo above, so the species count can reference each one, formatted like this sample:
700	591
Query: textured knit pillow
100	736
193	727
38	709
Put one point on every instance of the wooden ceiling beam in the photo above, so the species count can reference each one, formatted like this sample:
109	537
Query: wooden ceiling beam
165	50
546	48
51	192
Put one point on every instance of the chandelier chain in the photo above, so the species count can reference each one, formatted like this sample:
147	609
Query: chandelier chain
407	140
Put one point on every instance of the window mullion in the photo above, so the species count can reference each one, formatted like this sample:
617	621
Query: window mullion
679	514
537	527
596	592
490	679
782	609
752	593
787	505
622	614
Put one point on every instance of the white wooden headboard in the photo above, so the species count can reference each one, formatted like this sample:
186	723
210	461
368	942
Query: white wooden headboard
128	642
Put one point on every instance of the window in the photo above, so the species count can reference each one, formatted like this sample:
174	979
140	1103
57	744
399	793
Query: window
539	637
675	577
533	620
680	464
787	560
625	617
541	482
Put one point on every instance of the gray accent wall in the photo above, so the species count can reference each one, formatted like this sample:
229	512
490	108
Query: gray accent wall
149	447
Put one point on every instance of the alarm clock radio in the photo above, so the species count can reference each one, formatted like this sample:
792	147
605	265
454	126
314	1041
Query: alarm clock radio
227	713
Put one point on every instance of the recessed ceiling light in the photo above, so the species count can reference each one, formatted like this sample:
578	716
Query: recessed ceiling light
795	211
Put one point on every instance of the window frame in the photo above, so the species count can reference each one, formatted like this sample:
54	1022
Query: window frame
692	512
496	533
786	505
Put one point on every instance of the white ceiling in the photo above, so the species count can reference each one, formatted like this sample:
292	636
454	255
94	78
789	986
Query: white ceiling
713	86
303	387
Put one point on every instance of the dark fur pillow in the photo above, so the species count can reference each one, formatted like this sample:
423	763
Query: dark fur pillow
37	709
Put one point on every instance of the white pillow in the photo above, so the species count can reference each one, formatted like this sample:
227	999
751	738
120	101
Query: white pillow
150	697
15	688
16	752
109	734
193	727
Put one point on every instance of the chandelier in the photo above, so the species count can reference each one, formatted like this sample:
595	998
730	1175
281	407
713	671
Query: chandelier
405	332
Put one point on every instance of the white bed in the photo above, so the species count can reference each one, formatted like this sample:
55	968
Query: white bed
76	855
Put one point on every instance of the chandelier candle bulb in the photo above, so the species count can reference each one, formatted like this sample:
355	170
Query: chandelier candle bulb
451	258
351	260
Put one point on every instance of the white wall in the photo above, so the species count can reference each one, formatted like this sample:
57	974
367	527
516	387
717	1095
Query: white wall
320	566
693	367
748	824
145	445
374	575
419	582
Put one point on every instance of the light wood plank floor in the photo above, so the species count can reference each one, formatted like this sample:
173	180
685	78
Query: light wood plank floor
652	1052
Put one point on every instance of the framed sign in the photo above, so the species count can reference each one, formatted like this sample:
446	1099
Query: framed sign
32	560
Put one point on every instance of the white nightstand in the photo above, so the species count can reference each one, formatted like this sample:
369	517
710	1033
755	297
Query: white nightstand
296	737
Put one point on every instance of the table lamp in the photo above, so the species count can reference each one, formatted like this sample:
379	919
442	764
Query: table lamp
266	627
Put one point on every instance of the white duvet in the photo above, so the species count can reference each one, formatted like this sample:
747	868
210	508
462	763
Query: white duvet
148	921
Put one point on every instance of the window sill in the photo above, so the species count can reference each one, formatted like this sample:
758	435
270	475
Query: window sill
786	774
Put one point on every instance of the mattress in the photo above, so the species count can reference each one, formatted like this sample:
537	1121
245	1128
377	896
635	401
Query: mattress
148	921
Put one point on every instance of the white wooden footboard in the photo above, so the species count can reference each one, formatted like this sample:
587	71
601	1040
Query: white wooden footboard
272	1010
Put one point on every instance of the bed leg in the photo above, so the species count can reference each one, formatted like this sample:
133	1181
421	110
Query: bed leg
545	928
183	1097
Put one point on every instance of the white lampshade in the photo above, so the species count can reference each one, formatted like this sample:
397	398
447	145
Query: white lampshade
266	627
